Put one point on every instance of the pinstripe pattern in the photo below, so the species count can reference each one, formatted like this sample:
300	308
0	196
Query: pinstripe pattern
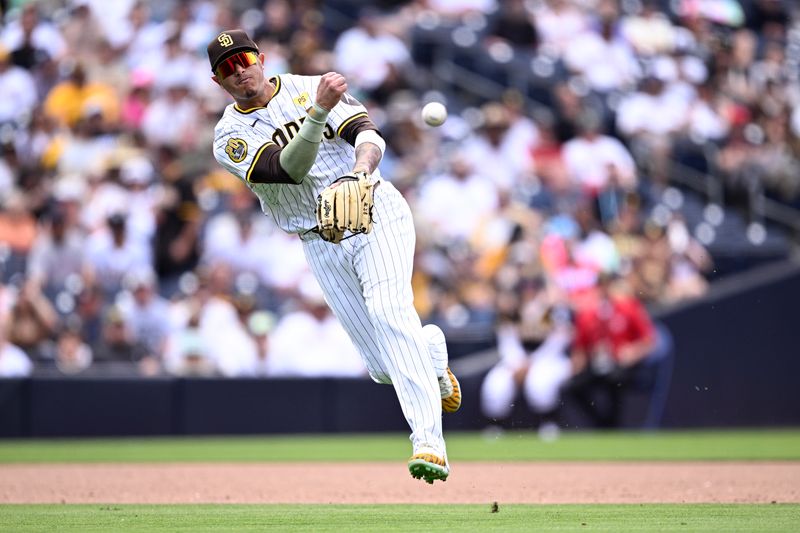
383	324
366	279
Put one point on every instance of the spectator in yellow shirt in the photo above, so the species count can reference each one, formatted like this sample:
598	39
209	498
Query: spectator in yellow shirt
68	100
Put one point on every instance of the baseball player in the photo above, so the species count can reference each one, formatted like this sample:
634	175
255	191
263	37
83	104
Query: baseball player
310	152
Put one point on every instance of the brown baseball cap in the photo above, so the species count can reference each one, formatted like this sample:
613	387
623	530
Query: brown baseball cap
228	43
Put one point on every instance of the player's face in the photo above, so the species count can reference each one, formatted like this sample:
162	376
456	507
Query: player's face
242	74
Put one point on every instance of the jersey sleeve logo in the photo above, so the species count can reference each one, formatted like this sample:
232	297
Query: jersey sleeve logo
303	100
236	150
225	39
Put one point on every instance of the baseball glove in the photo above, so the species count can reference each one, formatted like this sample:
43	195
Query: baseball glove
345	205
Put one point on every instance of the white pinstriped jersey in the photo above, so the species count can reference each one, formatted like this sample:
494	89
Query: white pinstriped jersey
241	135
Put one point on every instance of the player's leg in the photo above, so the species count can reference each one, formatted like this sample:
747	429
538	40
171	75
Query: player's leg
342	289
383	262
449	388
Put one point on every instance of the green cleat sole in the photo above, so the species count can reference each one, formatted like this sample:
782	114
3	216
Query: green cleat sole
421	469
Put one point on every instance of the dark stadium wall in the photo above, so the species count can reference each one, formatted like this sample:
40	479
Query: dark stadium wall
738	353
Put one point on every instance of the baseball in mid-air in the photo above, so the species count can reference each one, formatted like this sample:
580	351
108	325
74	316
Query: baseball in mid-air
434	114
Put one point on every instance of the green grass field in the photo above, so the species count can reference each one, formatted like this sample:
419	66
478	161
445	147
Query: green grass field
380	518
509	446
512	446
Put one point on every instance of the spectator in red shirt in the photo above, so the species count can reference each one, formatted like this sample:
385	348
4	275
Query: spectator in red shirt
613	336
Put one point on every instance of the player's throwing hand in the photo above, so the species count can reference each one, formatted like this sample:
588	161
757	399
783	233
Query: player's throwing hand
332	86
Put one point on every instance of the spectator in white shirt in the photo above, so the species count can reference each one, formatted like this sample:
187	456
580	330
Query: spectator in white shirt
594	248
558	23
173	118
593	158
57	254
32	40
650	32
194	22
170	63
705	120
13	361
248	242
145	311
110	254
104	196
650	111
201	320
260	324
326	349
495	149
649	119
238	235
187	352
17	90
372	58
137	35
83	32
244	349
740	81
141	197
454	203
73	355
209	303
538	373
604	58
523	133
458	8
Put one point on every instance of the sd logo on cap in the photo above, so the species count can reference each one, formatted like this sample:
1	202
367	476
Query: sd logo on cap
228	43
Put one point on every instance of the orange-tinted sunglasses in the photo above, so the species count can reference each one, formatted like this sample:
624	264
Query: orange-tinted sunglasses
228	65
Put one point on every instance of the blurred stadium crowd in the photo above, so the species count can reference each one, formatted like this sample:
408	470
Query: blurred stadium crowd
124	246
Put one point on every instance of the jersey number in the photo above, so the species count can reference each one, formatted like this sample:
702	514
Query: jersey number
236	150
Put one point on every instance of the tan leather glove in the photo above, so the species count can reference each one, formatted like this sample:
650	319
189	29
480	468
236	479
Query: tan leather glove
345	205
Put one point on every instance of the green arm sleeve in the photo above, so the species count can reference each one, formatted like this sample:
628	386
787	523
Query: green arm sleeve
299	154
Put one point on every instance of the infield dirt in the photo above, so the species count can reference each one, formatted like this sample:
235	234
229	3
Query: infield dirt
367	483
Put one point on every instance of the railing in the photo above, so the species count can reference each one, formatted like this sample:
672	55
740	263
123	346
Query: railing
781	214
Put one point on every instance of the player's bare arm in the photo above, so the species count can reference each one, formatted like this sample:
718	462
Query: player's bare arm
368	155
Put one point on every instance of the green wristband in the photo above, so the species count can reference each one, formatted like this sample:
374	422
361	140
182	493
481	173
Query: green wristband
312	127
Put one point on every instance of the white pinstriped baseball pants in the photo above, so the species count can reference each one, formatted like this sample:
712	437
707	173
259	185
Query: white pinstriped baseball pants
366	280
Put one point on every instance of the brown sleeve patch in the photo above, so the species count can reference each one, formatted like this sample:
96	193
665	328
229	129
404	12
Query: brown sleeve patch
266	166
354	125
